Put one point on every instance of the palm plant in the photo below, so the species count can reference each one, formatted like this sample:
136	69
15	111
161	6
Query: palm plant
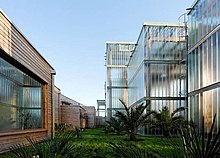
133	117
78	132
19	151
116	125
197	146
132	151
59	147
62	127
167	122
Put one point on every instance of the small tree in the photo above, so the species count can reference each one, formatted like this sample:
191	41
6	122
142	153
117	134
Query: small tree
166	121
133	117
116	125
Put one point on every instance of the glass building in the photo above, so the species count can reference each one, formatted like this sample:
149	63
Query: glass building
157	71
204	62
117	58
153	69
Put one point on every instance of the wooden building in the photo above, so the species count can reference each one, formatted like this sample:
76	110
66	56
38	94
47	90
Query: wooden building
73	113
90	116
26	86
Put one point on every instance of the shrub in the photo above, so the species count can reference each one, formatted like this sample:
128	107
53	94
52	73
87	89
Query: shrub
60	147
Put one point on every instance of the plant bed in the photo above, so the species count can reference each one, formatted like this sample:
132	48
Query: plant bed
96	143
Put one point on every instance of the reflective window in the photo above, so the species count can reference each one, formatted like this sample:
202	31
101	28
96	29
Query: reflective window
202	19
205	104
20	99
204	63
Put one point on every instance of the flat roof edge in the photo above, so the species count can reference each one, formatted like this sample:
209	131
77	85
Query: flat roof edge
3	13
72	100
111	42
163	24
57	87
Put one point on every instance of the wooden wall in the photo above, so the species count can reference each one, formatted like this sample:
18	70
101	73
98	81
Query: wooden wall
17	47
71	116
91	113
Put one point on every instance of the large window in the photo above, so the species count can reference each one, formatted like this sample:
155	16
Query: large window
20	99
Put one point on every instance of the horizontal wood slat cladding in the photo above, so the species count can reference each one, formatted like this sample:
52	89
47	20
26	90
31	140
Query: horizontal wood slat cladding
70	115
18	47
20	138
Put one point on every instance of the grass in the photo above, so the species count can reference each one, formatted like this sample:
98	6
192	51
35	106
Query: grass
97	143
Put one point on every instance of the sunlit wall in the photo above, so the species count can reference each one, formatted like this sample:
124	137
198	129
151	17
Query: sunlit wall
157	70
204	17
204	62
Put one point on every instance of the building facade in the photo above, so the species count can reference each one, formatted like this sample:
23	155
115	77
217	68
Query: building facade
72	112
117	59
204	62
90	116
57	104
157	67
26	89
156	70
101	108
153	69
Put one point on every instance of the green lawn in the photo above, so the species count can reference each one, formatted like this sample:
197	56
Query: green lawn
97	143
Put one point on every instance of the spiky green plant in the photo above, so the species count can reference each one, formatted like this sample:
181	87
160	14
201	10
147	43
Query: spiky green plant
78	132
133	117
62	127
59	147
167	122
20	151
116	125
132	151
197	146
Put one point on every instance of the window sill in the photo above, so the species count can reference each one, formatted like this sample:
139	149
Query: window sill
17	132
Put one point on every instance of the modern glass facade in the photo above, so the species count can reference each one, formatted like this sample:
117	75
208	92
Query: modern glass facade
157	71
20	99
204	17
117	58
204	62
152	70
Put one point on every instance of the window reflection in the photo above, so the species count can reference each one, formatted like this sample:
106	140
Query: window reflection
203	18
20	99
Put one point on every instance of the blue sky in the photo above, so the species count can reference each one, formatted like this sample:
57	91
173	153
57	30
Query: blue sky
71	35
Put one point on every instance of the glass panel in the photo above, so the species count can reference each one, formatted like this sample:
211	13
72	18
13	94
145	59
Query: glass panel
207	105
202	19
214	106
214	58
218	109
20	99
117	58
218	52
